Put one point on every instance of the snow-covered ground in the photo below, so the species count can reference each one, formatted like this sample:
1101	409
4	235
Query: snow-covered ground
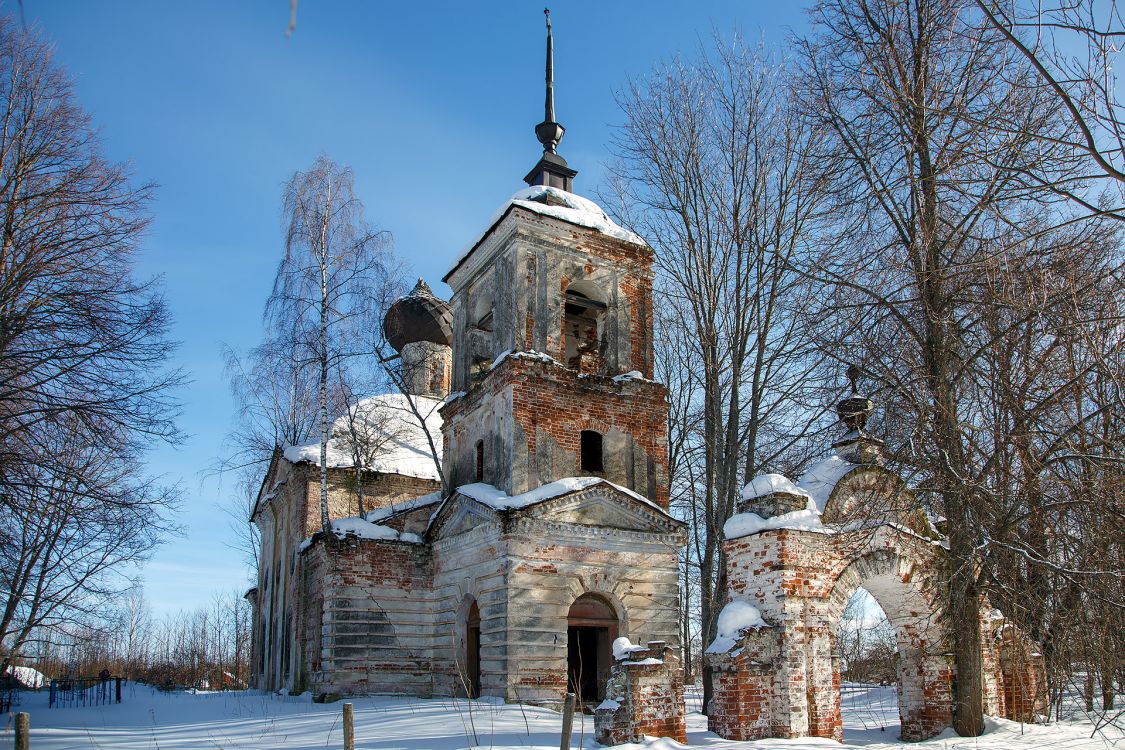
237	720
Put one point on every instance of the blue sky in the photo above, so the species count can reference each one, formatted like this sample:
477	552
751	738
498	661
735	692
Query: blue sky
432	104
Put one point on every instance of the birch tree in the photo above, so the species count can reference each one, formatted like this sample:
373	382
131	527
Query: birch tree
332	255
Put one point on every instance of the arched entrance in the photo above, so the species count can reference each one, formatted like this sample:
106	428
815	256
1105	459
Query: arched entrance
922	670
472	651
781	677
867	653
584	313
591	627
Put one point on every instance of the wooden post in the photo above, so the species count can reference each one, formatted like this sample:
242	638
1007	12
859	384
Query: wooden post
349	728
23	730
568	721
118	689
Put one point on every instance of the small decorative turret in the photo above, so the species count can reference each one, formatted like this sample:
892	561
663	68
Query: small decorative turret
552	169
857	446
854	410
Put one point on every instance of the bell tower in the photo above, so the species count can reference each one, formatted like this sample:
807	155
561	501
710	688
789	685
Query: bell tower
552	343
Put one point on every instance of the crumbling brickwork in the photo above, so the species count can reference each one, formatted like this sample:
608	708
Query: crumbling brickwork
801	582
742	706
1014	670
372	632
543	409
516	597
645	696
288	512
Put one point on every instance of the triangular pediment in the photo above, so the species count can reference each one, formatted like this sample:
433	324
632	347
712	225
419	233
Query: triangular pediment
869	493
458	515
565	503
604	506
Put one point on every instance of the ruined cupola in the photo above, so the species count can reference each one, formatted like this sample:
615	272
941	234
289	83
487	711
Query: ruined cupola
419	327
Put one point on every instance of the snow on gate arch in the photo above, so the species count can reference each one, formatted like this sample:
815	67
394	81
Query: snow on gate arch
796	552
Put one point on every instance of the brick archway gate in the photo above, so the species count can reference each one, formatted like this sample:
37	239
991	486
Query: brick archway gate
782	677
796	553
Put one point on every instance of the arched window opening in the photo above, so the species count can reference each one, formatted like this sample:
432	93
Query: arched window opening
592	626
867	652
479	473
591	450
472	652
584	312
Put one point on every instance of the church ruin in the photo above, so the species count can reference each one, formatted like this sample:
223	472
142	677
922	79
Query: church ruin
543	549
552	539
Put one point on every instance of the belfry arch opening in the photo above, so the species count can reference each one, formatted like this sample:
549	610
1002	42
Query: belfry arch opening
584	312
591	627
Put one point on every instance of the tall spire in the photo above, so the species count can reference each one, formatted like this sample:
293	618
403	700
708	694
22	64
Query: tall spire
549	116
552	169
549	132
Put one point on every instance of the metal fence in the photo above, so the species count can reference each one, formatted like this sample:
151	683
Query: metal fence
9	697
85	692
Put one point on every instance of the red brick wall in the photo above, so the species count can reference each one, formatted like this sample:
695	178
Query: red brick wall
650	699
550	400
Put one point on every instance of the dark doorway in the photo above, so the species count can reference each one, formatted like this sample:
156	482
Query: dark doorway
591	628
472	652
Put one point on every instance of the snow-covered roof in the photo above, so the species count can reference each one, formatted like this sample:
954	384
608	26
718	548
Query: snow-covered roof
820	478
735	617
27	677
363	529
382	514
497	499
767	484
388	427
816	484
558	204
745	524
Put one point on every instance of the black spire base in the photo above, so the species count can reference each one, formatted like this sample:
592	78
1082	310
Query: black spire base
552	171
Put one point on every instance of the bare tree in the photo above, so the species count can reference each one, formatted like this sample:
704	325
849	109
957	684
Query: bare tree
946	271
1073	47
720	163
74	521
322	283
275	391
84	384
78	334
